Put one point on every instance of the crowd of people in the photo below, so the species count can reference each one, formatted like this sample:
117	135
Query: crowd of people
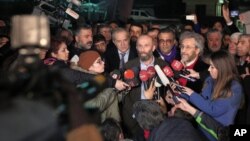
86	85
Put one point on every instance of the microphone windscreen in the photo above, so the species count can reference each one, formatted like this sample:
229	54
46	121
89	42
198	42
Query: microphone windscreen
115	74
151	71
143	75
168	71
177	65
129	74
165	81
158	82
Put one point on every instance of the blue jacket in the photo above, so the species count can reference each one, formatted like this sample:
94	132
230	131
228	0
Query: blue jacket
222	109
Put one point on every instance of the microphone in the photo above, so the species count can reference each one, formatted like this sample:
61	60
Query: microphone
130	78
144	76
115	74
165	81
170	74
151	72
178	67
158	85
72	13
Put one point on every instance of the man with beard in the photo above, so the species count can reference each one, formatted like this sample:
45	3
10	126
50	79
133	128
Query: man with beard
83	42
191	45
135	30
145	47
243	67
214	43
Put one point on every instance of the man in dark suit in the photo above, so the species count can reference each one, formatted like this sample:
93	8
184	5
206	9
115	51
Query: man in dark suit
122	50
145	48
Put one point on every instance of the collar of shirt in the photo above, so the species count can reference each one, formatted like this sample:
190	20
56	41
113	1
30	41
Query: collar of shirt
144	66
191	63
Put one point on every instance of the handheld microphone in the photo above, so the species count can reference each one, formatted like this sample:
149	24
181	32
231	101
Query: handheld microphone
143	75
158	85
165	81
130	78
170	74
151	72
180	72
115	74
179	67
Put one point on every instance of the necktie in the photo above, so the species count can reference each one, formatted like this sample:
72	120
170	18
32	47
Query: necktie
122	61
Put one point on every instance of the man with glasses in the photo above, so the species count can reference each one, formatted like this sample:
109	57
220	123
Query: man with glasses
192	45
167	49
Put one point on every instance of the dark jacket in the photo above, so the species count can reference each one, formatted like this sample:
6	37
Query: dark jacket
112	59
199	66
135	94
175	129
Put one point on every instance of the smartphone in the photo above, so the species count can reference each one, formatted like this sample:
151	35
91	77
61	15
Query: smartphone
190	17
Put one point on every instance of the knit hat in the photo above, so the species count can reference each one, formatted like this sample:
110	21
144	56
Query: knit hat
87	59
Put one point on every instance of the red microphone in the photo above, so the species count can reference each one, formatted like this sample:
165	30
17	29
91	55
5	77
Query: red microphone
177	65
151	72
168	71
180	72
144	76
170	74
129	77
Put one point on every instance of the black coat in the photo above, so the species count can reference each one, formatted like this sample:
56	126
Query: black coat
112	59
175	129
130	124
199	66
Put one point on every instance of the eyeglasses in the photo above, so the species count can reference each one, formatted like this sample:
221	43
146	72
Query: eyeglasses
186	47
167	41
